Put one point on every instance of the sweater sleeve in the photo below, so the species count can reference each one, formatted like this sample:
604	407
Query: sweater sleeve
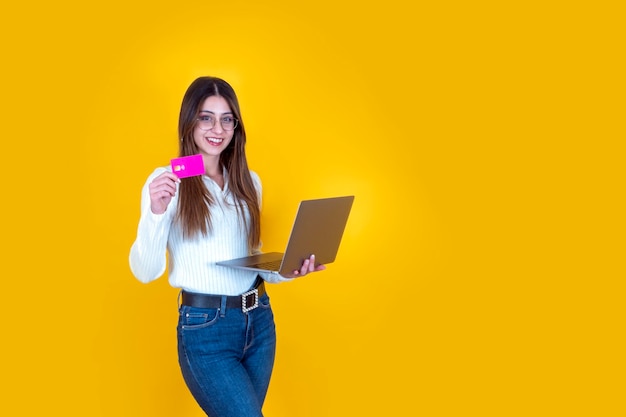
148	253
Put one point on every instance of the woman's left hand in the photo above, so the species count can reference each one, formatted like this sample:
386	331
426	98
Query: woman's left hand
308	266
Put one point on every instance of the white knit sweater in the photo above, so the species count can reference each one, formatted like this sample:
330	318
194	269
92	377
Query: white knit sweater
192	265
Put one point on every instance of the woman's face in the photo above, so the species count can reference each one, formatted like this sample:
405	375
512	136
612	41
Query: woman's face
210	134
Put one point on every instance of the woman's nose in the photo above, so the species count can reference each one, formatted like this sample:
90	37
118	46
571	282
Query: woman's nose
217	126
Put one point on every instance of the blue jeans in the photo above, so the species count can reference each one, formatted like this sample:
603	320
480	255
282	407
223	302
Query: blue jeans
226	357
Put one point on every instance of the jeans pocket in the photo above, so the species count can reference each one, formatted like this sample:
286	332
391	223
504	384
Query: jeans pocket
264	302
198	318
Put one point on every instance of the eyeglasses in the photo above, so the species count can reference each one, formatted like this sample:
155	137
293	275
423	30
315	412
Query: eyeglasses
206	122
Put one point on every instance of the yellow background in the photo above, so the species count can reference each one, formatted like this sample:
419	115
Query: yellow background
481	273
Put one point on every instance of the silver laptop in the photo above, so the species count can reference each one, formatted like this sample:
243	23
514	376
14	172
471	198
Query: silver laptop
317	230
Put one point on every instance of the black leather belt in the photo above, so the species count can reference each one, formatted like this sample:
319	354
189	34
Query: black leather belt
246	301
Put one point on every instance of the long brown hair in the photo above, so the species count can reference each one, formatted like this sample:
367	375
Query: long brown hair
194	217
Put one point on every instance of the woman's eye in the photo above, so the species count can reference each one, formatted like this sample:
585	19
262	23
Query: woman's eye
206	118
227	120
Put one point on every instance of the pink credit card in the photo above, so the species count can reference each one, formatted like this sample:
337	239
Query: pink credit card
188	166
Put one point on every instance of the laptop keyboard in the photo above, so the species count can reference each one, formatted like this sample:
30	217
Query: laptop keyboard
270	266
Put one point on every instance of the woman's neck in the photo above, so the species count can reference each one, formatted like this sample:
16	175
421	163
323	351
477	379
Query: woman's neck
214	171
212	167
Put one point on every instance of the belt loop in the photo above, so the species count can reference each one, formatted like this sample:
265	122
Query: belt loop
223	306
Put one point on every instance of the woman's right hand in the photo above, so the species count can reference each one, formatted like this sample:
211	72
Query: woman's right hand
162	189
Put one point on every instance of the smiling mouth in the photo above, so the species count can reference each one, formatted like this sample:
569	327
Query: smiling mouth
215	141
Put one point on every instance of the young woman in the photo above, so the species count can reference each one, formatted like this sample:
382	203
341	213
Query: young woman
226	345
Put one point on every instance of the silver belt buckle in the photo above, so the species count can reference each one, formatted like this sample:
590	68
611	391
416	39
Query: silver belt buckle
244	300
